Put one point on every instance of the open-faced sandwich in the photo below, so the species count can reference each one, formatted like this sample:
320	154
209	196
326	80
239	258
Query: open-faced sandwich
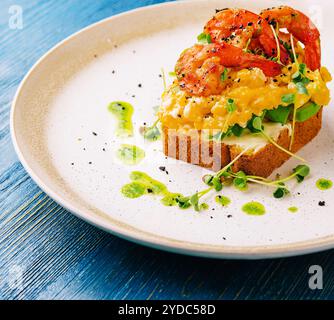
252	90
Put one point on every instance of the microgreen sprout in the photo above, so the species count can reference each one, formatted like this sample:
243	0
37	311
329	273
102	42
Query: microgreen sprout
241	180
230	107
278	58
204	38
237	130
293	50
257	125
247	44
281	191
288	98
301	88
193	201
223	76
151	133
164	79
300	80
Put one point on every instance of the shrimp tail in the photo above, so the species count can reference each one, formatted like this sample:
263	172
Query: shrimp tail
312	54
236	57
301	27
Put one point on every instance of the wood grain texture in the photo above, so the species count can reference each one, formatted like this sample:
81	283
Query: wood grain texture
62	257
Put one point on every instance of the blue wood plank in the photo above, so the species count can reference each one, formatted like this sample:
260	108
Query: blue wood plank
47	253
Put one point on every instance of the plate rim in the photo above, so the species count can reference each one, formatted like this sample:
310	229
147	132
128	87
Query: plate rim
142	237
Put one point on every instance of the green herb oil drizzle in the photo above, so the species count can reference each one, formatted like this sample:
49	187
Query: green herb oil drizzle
123	112
222	200
143	184
293	209
324	184
254	209
130	154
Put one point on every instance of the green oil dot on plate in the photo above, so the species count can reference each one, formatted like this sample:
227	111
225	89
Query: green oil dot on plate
293	209
254	208
123	112
224	201
134	190
170	199
153	186
130	154
324	184
142	184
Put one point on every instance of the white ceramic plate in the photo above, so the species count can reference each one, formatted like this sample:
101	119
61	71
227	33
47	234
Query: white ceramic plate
64	99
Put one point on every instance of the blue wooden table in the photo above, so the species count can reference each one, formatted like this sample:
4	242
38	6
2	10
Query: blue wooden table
47	253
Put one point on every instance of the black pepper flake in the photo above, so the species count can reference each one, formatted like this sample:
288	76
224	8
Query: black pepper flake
149	190
229	216
90	162
160	75
162	168
72	164
290	68
224	238
139	85
94	133
219	10
322	203
113	72
275	80
103	149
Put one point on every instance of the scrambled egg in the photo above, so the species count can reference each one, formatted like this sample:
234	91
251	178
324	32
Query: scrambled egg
252	93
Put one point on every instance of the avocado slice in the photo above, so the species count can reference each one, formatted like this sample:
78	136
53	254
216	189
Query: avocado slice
280	114
307	111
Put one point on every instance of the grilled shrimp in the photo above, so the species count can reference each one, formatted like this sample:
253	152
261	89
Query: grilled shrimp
199	68
243	28
301	27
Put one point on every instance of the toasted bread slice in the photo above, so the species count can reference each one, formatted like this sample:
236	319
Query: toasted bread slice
192	148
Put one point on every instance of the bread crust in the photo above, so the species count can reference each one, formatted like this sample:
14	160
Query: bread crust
191	148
